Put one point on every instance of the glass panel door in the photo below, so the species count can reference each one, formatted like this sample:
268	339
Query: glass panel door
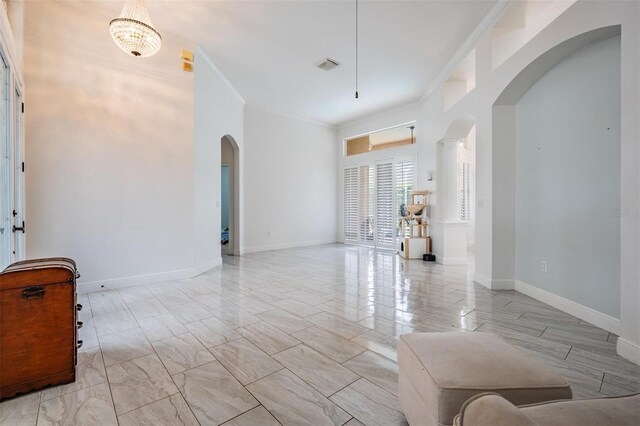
351	204
366	204
5	167
404	186
385	206
18	181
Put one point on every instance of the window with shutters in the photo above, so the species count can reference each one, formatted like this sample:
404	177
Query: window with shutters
465	192
351	203
366	204
373	195
385	206
404	186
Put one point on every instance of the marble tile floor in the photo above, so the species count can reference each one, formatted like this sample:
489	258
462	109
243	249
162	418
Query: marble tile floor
300	336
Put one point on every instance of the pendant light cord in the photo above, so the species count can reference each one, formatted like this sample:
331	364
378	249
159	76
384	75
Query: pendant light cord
356	49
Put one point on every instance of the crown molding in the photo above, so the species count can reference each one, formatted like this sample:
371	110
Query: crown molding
200	52
382	113
263	108
468	44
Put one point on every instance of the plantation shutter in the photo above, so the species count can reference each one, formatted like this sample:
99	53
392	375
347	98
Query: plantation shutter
366	201
351	203
465	193
404	186
385	208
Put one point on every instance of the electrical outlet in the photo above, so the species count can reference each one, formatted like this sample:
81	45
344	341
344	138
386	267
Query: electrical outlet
543	266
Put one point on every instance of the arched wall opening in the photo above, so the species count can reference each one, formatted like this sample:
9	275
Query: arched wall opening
230	195
555	173
454	227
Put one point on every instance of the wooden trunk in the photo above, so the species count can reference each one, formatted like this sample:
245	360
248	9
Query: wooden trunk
38	337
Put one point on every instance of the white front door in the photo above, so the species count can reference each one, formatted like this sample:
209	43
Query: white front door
12	226
5	168
17	193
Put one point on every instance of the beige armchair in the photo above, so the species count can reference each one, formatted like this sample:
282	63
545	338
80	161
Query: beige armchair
490	409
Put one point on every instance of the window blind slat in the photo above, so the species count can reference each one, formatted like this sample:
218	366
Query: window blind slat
351	203
385	216
373	194
404	186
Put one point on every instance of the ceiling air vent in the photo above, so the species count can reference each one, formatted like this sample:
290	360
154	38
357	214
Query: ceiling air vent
328	64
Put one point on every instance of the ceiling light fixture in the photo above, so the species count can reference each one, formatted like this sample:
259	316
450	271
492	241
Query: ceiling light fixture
133	31
356	49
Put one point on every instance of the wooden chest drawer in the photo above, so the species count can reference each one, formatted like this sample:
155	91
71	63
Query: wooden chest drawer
38	340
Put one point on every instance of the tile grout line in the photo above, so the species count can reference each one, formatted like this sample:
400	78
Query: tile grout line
601	383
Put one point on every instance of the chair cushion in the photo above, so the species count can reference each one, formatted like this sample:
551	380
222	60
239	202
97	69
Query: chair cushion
492	409
446	369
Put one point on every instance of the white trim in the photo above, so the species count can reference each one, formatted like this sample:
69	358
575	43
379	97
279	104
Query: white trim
451	260
480	279
378	114
468	44
502	284
493	284
214	263
200	52
395	126
263	108
585	313
628	350
10	47
280	246
148	278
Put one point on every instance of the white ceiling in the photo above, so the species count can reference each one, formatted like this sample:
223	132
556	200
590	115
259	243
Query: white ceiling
268	49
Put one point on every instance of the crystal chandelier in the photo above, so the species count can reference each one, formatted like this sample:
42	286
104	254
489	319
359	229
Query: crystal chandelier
133	31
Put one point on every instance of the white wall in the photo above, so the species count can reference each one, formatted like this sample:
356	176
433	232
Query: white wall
219	111
433	122
108	150
290	182
568	162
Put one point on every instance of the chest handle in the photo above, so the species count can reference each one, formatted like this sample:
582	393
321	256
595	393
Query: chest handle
36	292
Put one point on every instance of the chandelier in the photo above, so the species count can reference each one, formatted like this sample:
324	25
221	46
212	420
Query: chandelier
133	31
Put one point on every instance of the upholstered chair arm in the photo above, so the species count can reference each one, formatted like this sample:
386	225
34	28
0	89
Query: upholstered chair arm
490	409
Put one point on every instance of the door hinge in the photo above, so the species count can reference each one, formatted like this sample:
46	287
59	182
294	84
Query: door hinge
19	228
23	107
23	167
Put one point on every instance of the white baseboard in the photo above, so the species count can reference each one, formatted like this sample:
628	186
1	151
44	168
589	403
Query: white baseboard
280	246
205	267
585	313
493	284
502	284
451	260
481	279
123	282
628	350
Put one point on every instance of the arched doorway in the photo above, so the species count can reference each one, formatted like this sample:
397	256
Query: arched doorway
555	173
229	196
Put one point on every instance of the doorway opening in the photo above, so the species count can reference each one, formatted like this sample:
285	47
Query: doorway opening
229	197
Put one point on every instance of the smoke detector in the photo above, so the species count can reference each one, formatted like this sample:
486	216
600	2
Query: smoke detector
328	64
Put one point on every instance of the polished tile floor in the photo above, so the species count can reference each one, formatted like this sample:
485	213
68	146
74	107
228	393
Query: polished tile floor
300	336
